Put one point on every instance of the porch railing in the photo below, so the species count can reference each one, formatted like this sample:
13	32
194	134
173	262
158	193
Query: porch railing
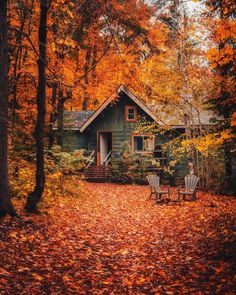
91	159
107	159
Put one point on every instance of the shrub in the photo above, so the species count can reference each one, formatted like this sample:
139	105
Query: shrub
64	162
129	167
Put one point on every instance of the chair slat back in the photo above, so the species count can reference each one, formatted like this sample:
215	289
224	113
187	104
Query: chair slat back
191	182
154	181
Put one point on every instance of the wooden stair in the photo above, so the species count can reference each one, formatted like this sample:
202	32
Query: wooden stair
97	173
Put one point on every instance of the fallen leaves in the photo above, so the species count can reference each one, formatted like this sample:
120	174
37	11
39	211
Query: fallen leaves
113	239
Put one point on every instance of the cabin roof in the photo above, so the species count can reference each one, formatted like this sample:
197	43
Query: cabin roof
177	120
112	98
74	120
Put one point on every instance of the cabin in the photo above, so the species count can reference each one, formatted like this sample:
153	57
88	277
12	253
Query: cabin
103	131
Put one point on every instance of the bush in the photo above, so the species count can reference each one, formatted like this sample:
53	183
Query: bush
64	162
129	167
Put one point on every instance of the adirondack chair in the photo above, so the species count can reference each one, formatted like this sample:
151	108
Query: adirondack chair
190	187
154	183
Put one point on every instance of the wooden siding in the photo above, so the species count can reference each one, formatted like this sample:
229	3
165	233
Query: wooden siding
74	140
113	119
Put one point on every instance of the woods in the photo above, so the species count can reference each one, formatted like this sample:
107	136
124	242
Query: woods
97	97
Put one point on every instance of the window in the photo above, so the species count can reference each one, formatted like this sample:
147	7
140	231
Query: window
143	143
131	113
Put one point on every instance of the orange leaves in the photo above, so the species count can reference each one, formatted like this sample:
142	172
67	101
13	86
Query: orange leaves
221	57
225	30
112	239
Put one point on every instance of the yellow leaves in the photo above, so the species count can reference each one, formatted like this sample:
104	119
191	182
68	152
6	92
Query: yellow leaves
13	234
226	134
140	280
53	46
70	13
36	276
209	141
66	278
202	217
56	175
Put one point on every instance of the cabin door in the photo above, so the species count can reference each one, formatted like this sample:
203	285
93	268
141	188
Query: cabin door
104	146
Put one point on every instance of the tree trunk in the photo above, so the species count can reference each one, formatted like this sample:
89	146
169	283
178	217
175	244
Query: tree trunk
86	80
60	115
35	196
52	116
224	72
6	206
229	183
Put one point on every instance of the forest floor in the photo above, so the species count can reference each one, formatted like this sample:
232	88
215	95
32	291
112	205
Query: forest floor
114	239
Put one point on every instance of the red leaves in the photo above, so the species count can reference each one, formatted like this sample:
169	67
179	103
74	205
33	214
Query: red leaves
113	239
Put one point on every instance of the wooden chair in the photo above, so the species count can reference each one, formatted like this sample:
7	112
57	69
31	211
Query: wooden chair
190	187
154	183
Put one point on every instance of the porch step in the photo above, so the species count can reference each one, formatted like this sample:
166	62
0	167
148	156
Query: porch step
97	173
95	179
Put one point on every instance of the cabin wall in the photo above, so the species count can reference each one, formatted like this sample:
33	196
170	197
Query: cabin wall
74	140
112	119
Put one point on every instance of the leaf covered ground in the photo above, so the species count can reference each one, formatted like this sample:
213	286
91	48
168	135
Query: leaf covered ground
113	239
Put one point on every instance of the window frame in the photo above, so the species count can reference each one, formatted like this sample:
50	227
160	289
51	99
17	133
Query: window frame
127	107
144	151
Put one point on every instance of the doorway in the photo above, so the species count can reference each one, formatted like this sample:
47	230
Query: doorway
104	145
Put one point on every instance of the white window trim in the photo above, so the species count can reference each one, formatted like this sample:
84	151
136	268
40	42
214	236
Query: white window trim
143	135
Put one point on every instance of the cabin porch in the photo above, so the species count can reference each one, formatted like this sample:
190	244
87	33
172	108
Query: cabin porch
99	164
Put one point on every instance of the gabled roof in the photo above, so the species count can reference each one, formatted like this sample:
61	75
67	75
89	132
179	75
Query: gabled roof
111	99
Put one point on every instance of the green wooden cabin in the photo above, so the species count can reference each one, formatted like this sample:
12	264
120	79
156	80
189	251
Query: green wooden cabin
114	122
103	131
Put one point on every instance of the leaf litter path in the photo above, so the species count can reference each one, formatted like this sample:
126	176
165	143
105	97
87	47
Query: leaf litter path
113	239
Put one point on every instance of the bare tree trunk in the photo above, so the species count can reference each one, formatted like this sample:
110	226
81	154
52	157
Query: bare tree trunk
52	116
86	79
6	206
35	196
60	118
